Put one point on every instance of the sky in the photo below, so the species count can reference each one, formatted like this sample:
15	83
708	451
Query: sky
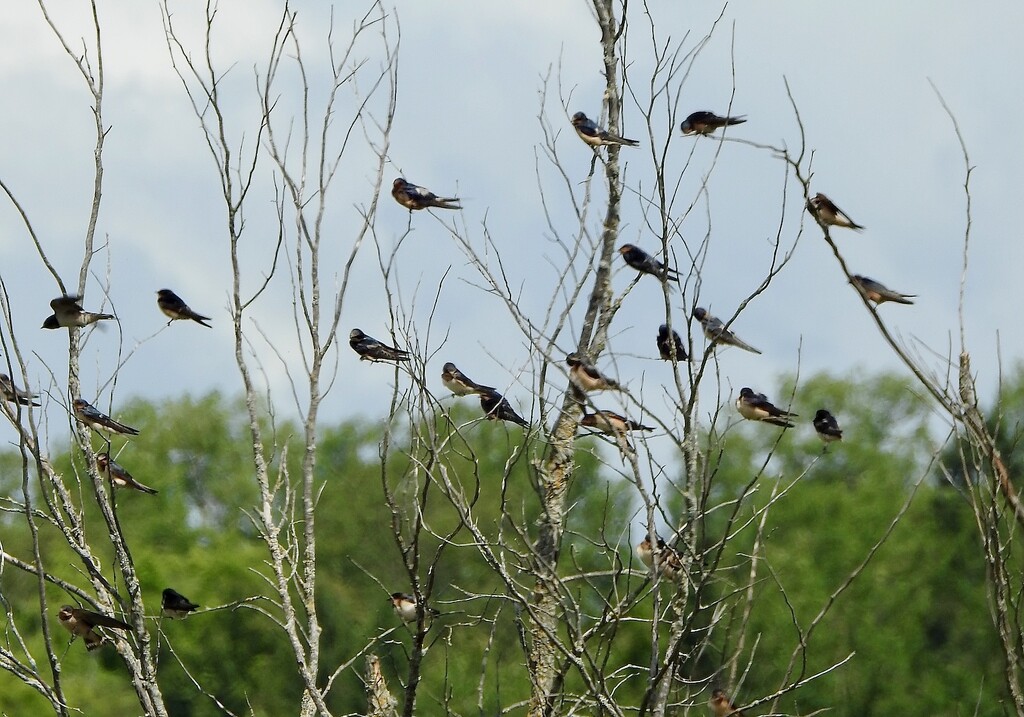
470	82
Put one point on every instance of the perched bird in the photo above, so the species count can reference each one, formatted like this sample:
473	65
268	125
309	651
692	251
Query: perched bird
80	623
757	407
172	305
716	332
827	427
827	212
611	422
99	421
413	198
175	605
647	264
586	377
704	122
879	293
722	705
117	473
669	563
496	408
406	607
459	383
67	312
370	349
665	344
593	135
12	393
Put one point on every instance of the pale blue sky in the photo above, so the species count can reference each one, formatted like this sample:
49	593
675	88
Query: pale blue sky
469	80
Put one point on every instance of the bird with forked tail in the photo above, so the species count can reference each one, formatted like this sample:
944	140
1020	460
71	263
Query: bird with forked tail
82	623
593	135
68	313
415	198
704	123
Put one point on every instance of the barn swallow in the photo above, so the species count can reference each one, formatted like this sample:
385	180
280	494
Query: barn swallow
722	705
67	312
117	473
459	383
586	377
716	332
99	421
665	345
704	122
172	305
593	135
405	607
757	407
175	605
827	427
496	407
879	293
616	425
827	212
80	623
669	563
611	422
370	349
12	393
647	264
412	197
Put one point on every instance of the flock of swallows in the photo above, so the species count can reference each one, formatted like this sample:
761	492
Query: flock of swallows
586	377
68	313
583	375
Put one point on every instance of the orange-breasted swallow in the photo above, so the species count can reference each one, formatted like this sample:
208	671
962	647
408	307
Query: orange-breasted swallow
586	377
413	198
173	306
67	312
81	623
496	408
827	212
175	605
99	421
757	407
120	477
704	122
827	427
12	393
647	264
716	332
370	349
405	606
665	344
611	422
459	383
593	135
669	563
614	424
722	705
879	293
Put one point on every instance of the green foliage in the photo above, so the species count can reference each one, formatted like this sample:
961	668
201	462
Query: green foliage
916	619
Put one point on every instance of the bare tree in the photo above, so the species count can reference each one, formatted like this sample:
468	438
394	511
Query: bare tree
569	615
51	499
306	161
